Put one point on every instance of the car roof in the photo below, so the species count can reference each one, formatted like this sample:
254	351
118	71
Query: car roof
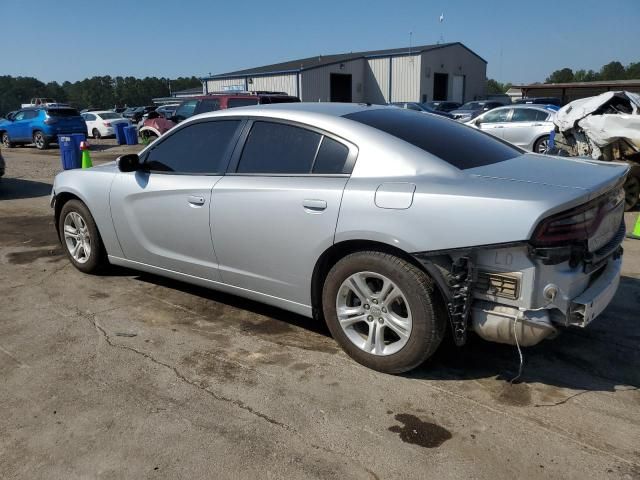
285	109
98	112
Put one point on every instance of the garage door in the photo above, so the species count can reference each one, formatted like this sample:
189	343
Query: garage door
458	89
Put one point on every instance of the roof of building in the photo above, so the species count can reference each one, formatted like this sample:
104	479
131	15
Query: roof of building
324	60
188	91
603	83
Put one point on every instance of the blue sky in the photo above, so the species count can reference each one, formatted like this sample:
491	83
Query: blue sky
522	41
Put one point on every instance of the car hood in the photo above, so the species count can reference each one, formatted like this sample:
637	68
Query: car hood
463	112
589	177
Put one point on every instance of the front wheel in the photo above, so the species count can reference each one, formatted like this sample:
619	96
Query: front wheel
79	234
40	141
383	311
6	141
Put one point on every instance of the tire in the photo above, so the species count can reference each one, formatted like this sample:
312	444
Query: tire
94	259
631	192
6	142
417	306
541	144
96	133
40	141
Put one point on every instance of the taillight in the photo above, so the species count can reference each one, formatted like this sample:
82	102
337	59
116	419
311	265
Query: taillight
578	224
106	124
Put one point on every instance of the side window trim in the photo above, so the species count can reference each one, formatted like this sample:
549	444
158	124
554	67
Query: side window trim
228	154
237	152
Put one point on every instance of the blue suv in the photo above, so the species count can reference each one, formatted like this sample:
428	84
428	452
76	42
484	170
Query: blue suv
40	126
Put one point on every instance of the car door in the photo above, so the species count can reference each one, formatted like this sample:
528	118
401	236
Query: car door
161	212
19	126
521	130
494	121
91	121
277	208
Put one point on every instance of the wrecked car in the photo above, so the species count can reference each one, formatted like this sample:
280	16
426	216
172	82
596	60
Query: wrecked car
391	227
605	127
154	126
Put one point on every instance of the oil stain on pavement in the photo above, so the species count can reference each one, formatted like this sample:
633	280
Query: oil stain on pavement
419	432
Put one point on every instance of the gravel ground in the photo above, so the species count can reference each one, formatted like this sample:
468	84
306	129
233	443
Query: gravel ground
128	375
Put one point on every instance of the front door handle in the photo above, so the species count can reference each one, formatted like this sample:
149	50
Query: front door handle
195	200
314	206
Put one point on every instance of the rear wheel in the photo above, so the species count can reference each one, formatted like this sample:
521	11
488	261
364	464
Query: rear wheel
40	141
79	235
541	144
631	192
6	141
383	311
96	133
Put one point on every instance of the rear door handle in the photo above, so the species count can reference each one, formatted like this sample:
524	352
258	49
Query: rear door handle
314	206
195	200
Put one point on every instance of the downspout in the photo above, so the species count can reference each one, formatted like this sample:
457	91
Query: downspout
246	84
390	77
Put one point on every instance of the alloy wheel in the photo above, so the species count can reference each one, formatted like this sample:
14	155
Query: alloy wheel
543	145
38	140
374	313
77	237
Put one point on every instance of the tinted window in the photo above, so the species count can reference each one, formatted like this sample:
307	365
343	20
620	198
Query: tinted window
109	116
413	106
525	115
279	99
209	105
331	158
89	117
198	148
63	112
241	102
278	148
19	116
30	114
459	145
186	109
496	116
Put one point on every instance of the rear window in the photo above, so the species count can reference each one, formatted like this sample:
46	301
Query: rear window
241	102
63	112
278	99
459	145
109	116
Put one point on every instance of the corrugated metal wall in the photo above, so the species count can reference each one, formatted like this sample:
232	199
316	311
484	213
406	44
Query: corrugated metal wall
272	83
405	78
316	82
376	80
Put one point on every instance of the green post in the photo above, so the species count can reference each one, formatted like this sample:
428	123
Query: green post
636	230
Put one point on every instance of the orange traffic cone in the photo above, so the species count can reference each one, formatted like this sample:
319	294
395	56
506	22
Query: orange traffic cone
86	156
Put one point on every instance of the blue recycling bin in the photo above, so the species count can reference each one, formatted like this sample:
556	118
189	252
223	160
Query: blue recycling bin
77	139
118	129
69	153
131	134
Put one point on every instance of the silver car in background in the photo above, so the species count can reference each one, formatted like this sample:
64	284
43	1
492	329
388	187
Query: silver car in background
390	226
526	126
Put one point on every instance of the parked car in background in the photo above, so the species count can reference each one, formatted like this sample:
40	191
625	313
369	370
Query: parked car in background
135	113
351	214
442	105
471	110
420	107
540	101
222	101
41	126
101	123
167	111
119	110
526	126
2	165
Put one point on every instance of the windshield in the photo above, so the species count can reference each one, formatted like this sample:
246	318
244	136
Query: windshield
461	146
63	112
109	115
472	106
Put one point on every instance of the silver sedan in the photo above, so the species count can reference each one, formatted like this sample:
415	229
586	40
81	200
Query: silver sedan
390	226
527	126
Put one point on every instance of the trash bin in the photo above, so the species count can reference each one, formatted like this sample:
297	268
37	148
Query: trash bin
69	153
77	138
131	134
118	129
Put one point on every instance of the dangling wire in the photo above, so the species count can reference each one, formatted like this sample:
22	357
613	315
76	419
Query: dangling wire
515	335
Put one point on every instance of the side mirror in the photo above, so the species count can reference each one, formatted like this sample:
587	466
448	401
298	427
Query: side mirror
477	122
129	162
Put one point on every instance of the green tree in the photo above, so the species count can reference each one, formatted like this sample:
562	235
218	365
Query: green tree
612	71
494	87
564	75
633	71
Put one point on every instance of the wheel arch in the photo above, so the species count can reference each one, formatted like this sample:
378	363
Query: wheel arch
339	250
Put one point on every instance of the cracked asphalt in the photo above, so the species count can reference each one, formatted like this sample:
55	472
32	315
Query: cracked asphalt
129	375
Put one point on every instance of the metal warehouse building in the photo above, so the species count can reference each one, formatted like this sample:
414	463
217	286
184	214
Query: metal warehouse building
449	71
